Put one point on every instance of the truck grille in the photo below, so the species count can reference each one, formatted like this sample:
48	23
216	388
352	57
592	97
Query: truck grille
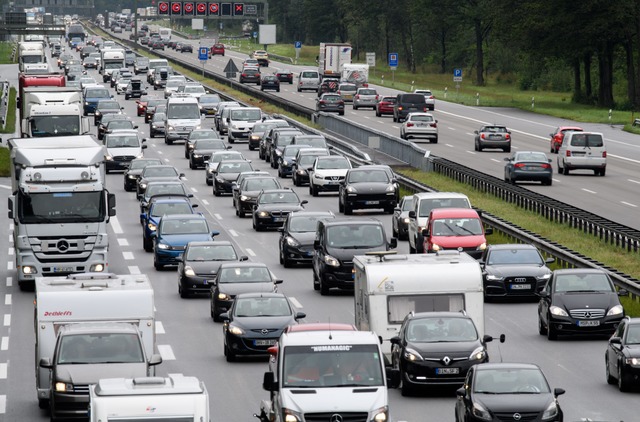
331	416
586	313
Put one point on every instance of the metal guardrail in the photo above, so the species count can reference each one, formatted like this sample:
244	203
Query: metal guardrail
4	102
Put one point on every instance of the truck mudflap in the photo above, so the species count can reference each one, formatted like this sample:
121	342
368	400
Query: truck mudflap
266	412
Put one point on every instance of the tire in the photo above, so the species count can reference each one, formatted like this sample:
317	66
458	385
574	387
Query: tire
229	355
552	334
565	170
216	192
348	210
611	380
355	108
191	166
43	403
623	385
147	245
341	113
420	245
394	232
157	266
395	119
603	172
209	183
183	294
542	330
314	190
433	140
475	146
286	262
324	290
316	282
406	389
412	250
294	179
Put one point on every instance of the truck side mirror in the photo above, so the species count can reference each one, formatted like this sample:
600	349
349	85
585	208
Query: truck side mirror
155	360
268	382
10	206
243	258
316	244
111	200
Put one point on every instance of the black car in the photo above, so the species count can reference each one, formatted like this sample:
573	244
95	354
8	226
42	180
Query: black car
330	102
234	278
157	125
215	159
284	75
135	89
579	301
297	236
287	158
248	191
196	134
202	150
337	242
152	103
184	47
226	174
254	323
102	127
514	270
200	263
400	218
265	150
279	141
250	75
500	391
105	107
259	130
273	206
133	172
270	82
304	163
162	188
436	348
622	359
365	188
156	173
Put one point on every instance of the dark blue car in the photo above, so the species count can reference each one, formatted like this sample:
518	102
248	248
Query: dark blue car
173	234
92	95
160	206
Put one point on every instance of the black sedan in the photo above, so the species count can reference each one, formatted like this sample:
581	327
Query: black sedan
184	47
297	235
200	263
102	127
105	107
226	173
247	192
368	188
514	270
497	391
400	218
196	134
254	323
133	172
250	75
216	158
202	150
579	301
330	102
284	75
270	82
528	166
234	278
156	173
273	206
622	359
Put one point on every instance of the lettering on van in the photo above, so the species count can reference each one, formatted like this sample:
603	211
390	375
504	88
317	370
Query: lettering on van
332	348
57	313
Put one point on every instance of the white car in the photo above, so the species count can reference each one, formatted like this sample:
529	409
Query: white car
122	84
327	173
428	96
172	86
191	90
422	125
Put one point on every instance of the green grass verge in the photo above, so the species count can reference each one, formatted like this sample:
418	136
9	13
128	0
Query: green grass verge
10	124
6	48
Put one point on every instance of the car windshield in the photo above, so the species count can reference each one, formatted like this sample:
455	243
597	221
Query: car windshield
307	160
514	257
174	83
426	205
100	348
211	253
355	236
206	99
407	204
245	115
108	105
183	226
312	142
260	184
262	307
210	144
304	224
97	93
510	381
333	164
633	334
120	124
140	164
165	189
441	330
368	176
160	171
234	167
245	275
216	157
153	103
170	208
203	134
456	227
279	198
123	141
582	282
292	150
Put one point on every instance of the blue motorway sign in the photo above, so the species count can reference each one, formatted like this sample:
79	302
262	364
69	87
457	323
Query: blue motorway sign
297	44
393	59
203	53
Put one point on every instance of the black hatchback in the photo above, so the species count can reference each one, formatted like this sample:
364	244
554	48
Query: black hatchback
250	75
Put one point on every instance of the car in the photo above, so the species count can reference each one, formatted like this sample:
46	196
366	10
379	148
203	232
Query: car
436	348
513	270
218	118
85	81
134	89
458	229
154	189
122	147
160	206
255	322
140	65
160	77
428	96
286	159
304	163
118	30
279	141
579	301
365	188
234	278
122	83
622	358
115	75
492	136
266	144
102	127
185	48
284	75
150	108
235	187
172	87
200	263
202	150
491	390
310	79
209	104
273	206
191	89
135	168
261	128
157	125
270	82
330	102
365	97
172	44
314	141
216	158
297	235
90	63
129	58
118	124
156	173
196	134
408	103
262	57
347	91
226	174
156	44
558	135
250	75
216	49
145	40
327	173
420	125
400	218
105	107
249	190
92	95
250	63
174	233
582	151
530	166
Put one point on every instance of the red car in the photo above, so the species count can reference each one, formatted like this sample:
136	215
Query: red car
385	106
216	49
558	136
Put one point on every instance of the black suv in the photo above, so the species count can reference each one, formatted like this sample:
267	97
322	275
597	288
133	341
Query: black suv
337	242
408	103
367	187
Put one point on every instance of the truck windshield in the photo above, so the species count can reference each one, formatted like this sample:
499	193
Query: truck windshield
113	65
99	348
61	207
335	365
55	126
183	111
32	58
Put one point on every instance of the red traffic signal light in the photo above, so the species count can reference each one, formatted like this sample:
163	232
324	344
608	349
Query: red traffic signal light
188	8
176	8
214	9
238	9
163	8
201	9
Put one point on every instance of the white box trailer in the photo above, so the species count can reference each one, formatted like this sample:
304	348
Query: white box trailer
52	111
389	286
176	398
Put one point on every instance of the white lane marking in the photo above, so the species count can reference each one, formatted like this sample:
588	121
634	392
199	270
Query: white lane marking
9	281
123	242
588	191
250	252
10	265
128	256
7	320
204	201
10	238
495	160
115	224
133	269
5	186
160	328
218	216
295	302
3	404
3	371
233	233
470	134
194	190
634	181
7	299
451	128
11	251
160	152
166	352
629	204
449	145
470	152
4	344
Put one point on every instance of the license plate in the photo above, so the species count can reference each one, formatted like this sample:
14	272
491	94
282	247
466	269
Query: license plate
62	269
447	371
278	219
372	202
520	286
264	342
588	323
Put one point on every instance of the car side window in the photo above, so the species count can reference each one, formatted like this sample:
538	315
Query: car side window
620	330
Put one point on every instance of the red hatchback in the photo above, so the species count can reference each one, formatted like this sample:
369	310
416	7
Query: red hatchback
216	49
558	136
385	106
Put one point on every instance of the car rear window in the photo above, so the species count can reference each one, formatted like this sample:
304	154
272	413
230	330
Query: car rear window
347	88
587	140
367	92
309	74
411	99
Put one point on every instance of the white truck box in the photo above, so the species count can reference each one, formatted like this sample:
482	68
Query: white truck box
176	397
332	57
30	53
356	73
110	60
389	286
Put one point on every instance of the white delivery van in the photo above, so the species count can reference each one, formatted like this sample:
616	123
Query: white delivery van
241	121
583	151
182	116
175	398
389	286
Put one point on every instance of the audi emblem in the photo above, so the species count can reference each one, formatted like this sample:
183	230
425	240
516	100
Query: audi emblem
335	418
520	279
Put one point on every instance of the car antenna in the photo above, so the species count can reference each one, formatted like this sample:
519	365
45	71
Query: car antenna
330	335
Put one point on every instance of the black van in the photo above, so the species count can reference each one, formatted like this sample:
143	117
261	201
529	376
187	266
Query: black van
160	77
408	103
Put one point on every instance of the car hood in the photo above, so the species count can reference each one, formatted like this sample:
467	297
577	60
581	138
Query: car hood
633	350
331	172
517	270
520	403
335	399
454	348
159	179
183	239
370	187
245	287
586	300
205	151
348	254
280	207
305	238
452	242
205	267
91	373
183	122
228	176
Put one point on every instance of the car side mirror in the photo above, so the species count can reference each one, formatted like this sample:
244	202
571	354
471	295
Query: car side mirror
268	382
215	233
488	230
623	292
194	206
393	243
549	260
278	281
395	340
299	315
144	146
461	392
304	202
224	317
558	392
45	363
243	258
181	175
615	340
412	214
507	159
155	360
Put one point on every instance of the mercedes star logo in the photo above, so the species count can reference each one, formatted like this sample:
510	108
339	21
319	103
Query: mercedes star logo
517	416
587	315
446	360
62	245
335	418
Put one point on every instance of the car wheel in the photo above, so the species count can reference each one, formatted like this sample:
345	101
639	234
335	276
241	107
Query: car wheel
314	190
324	290
285	261
229	355
603	171
191	166
316	282
157	265
552	333
183	294
406	389
548	182
340	206
147	245
434	140
559	168
348	210
294	179
610	378
355	108
216	192
475	146
216	317
395	119
623	385
565	170
508	149
299	90
542	329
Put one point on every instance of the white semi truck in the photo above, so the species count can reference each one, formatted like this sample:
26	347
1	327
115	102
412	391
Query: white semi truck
59	206
88	327
332	58
30	53
52	111
110	60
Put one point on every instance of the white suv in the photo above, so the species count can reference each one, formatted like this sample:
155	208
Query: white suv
327	173
428	96
583	150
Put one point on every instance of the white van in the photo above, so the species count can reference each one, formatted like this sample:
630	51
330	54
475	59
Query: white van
183	116
309	79
240	122
583	151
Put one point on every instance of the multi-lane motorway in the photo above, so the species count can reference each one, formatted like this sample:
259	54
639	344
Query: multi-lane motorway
191	343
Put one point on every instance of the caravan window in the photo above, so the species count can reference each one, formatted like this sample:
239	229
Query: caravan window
399	306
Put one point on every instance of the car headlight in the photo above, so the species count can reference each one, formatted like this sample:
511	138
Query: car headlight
64	386
480	412
285	162
405	220
263	214
223	296
98	113
244	198
301	172
632	361
170	127
616	310
391	188
317	175
292	241
140	155
479	354
197	155
152	227
411	355
550	412
331	261
237	331
351	189
291	415
491	277
557	311
198	126
543	277
108	157
189	271
254	138
381	415
143	185
155	126
131	176
481	247
278	152
435	247
163	246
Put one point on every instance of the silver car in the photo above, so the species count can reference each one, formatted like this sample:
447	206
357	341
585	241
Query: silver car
420	125
365	97
428	96
346	91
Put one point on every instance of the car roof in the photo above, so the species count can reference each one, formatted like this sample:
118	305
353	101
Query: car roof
320	326
183	217
259	295
505	365
579	271
510	246
439	314
244	264
311	214
341	221
210	243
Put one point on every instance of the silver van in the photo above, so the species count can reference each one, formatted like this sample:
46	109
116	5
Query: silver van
582	151
309	80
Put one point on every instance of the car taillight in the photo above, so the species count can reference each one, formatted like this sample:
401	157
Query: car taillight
568	154
400	108
507	136
424	109
482	136
431	97
410	124
366	85
434	125
546	166
244	75
322	102
604	154
519	165
376	97
338	92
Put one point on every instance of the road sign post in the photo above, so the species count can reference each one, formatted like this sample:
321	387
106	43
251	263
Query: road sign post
371	61
203	56
457	78
297	45
393	64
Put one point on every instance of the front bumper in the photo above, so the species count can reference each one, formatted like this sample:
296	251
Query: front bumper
70	405
302	254
509	287
224	187
197	284
569	326
169	256
359	202
341	277
250	343
434	372
119	163
270	221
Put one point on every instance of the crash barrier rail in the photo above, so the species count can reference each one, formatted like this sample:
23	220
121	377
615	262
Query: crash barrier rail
636	122
4	102
615	234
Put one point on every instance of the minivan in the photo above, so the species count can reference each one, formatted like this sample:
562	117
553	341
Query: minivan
183	116
455	228
408	103
308	79
582	151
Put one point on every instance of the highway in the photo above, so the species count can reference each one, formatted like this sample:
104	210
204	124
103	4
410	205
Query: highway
191	343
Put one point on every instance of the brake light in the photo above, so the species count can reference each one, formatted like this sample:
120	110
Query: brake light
431	97
400	108
410	125
244	75
604	154
376	97
507	136
568	154
366	85
434	125
482	136
546	166
424	109
519	165
338	92
322	102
